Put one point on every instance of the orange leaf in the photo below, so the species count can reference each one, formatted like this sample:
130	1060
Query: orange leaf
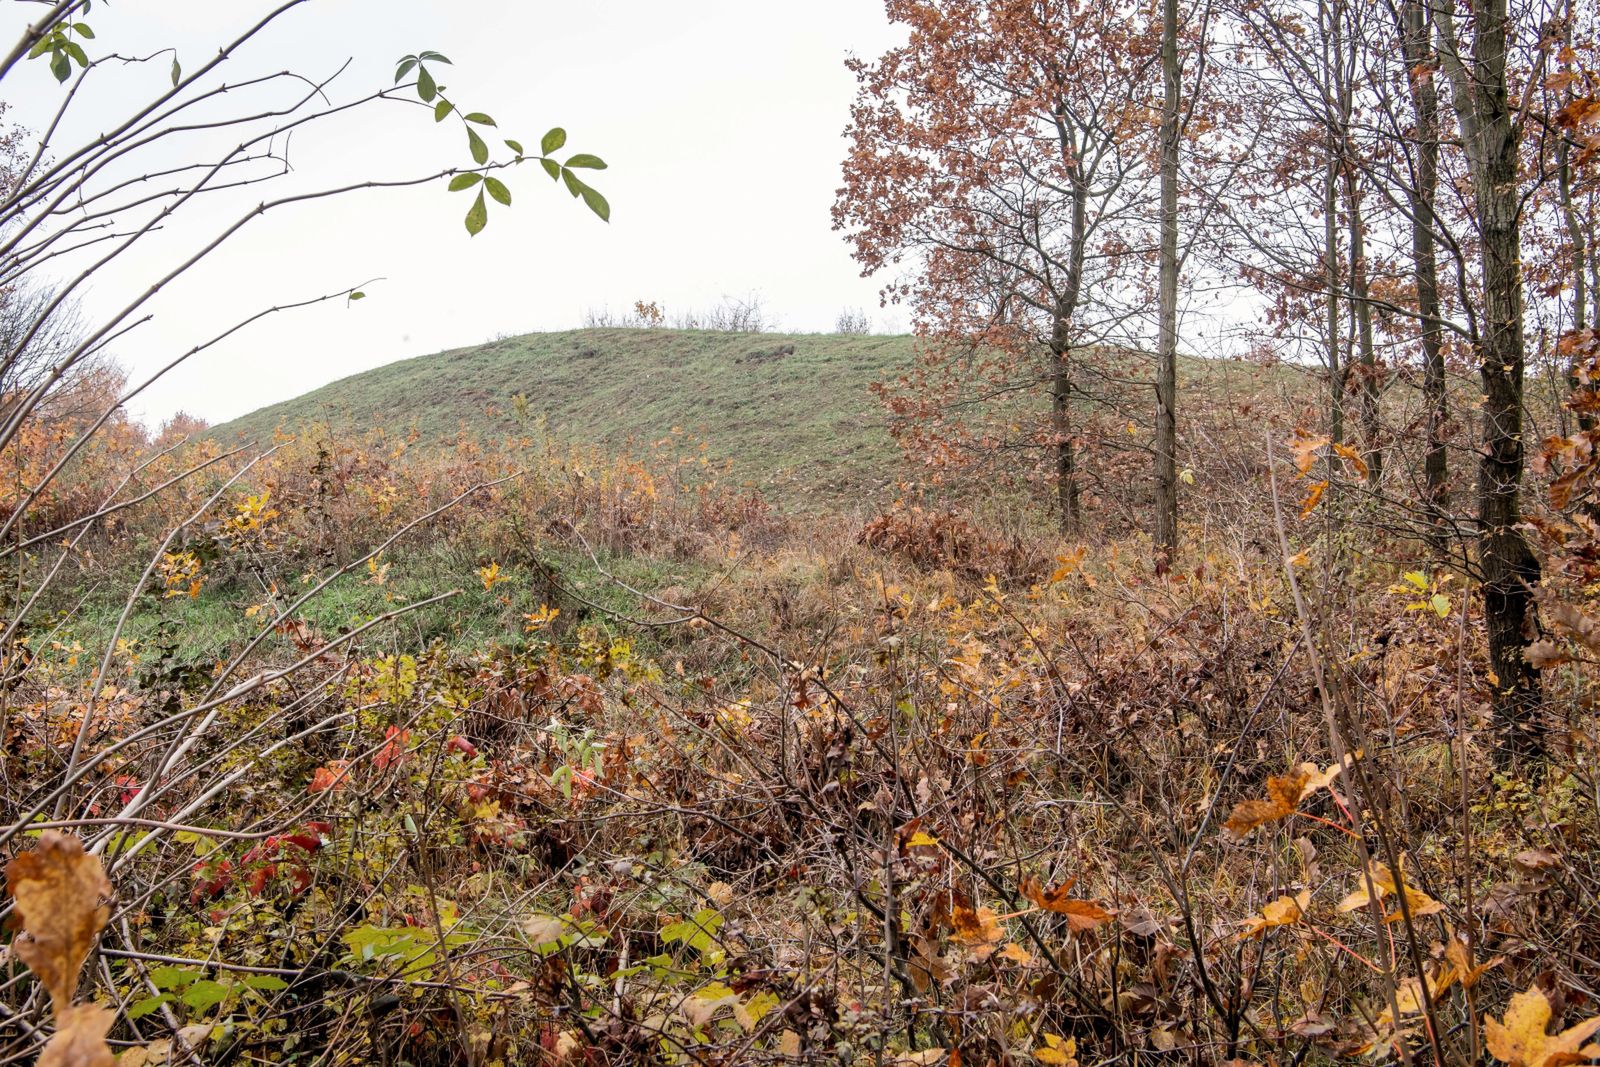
1352	457
1081	914
58	890
1283	798
329	778
1309	504
979	930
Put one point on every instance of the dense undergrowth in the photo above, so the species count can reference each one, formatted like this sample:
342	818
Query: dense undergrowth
520	754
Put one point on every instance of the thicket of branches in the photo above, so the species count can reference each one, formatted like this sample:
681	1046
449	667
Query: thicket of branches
385	751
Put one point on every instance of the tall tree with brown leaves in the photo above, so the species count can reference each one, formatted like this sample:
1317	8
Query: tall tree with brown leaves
1004	149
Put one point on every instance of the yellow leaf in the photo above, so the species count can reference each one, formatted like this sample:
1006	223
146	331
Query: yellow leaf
921	837
1058	1050
1520	1039
544	929
1285	911
1383	881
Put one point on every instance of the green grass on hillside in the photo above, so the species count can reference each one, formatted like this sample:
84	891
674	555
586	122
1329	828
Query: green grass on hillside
802	426
797	425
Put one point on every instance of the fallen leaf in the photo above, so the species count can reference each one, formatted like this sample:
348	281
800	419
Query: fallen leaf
1058	1050
1520	1038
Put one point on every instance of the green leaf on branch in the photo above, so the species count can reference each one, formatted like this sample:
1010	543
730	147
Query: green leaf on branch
464	181
435	57
407	65
498	190
82	30
597	203
478	217
480	118
442	109
427	88
61	66
515	146
553	140
584	159
480	151
75	50
205	994
551	167
140	1008
177	72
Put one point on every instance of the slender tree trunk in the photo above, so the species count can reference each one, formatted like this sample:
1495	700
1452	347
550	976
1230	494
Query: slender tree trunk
1061	424
1510	570
1066	306
1361	310
1330	260
1166	436
1415	38
1578	251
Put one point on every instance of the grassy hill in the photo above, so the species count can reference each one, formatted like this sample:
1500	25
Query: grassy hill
797	424
791	414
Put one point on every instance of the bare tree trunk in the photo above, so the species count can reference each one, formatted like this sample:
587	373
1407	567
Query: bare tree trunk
1061	424
1166	436
1361	308
1066	306
1510	570
1330	259
1576	244
1415	38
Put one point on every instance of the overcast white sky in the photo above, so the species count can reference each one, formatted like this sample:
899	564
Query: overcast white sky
721	121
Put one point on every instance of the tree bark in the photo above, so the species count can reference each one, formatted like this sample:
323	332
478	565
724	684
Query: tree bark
1061	423
1510	571
1415	38
1361	309
1330	259
1166	435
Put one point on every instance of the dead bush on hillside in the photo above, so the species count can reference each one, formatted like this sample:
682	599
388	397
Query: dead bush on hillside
943	540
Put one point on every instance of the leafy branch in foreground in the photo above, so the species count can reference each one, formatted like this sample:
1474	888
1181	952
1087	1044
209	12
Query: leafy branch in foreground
431	92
